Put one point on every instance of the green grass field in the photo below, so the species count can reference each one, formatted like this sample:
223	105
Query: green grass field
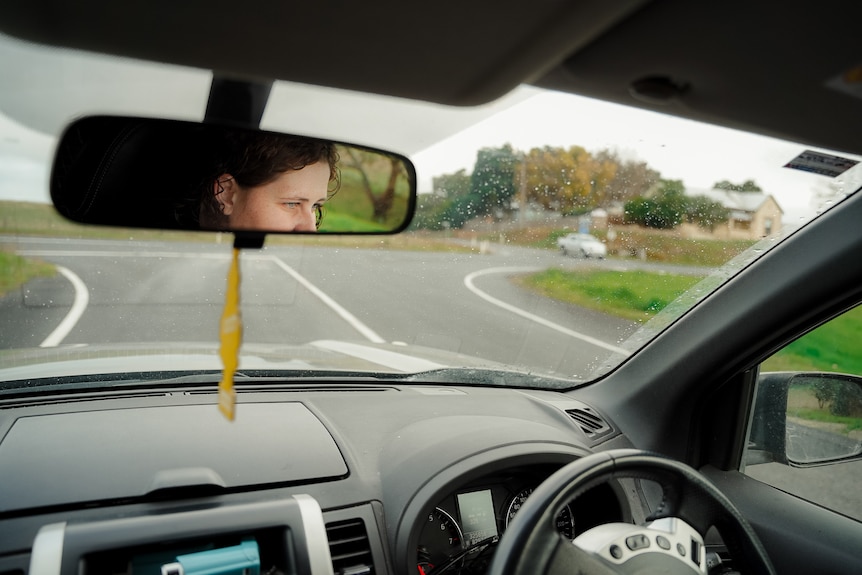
657	246
32	219
635	295
833	346
15	271
639	295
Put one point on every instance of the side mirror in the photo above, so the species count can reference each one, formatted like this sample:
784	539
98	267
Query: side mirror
162	174
804	419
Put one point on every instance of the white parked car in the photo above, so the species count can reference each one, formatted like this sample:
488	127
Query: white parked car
582	245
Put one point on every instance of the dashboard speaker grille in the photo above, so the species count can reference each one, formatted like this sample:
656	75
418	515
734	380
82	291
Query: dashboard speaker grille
349	548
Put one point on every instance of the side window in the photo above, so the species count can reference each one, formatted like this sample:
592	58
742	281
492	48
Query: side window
805	436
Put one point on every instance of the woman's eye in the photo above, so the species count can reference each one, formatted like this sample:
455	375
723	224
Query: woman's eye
291	205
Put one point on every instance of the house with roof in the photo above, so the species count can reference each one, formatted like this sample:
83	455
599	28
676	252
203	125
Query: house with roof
753	215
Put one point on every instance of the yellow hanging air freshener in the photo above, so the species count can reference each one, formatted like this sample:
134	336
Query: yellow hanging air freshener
230	330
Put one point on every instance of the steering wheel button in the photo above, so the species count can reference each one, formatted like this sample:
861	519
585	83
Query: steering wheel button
636	542
616	552
680	548
662	542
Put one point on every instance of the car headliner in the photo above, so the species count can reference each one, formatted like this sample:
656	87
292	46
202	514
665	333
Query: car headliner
755	66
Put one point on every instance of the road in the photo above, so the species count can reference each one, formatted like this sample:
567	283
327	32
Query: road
174	292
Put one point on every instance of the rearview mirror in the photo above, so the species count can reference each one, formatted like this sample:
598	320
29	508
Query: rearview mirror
145	173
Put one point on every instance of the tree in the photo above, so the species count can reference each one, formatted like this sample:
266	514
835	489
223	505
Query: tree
461	210
665	210
492	183
378	178
705	212
630	180
461	197
746	186
452	185
430	212
566	180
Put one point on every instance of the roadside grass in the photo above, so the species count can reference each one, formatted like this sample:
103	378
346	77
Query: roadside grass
15	271
633	295
802	403
660	247
638	295
823	416
657	246
405	241
32	219
28	218
834	347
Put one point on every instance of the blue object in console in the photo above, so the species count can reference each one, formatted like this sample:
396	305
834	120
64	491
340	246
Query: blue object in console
242	559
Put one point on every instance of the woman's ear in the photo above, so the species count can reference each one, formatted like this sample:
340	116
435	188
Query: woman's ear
224	190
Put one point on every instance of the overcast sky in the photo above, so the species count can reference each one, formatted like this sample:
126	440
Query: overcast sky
43	89
698	154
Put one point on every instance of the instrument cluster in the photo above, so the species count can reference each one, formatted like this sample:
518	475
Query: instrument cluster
460	531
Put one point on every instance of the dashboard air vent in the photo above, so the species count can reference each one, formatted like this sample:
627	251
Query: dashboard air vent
349	548
590	422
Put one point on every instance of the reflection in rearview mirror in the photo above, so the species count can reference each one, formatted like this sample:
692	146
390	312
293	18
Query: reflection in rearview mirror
824	418
143	173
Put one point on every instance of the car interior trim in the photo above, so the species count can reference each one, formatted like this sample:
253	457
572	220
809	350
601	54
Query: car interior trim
319	559
46	556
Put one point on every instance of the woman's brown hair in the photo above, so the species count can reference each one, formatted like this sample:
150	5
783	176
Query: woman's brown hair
257	158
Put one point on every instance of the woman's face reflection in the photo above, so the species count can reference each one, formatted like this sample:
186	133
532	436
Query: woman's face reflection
287	204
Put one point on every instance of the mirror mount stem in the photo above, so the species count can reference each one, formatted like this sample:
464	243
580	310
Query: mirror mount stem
237	102
248	240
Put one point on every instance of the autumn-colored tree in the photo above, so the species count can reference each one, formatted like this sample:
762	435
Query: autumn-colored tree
631	179
566	180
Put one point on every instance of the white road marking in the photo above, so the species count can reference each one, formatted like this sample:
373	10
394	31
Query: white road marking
82	298
384	357
468	281
366	331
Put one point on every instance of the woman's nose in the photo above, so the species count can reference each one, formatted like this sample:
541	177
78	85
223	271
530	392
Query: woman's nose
307	222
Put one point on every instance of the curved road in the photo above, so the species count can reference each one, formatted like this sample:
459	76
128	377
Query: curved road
157	292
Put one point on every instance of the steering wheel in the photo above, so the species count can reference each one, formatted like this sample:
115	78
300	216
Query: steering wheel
672	543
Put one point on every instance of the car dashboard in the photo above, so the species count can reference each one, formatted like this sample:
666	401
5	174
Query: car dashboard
337	478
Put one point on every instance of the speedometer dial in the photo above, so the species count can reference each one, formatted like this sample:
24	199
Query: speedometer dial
565	521
439	540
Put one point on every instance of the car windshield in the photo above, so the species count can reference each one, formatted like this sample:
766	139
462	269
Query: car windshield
554	237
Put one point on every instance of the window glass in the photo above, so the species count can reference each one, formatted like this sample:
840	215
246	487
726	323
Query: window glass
833	347
806	433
